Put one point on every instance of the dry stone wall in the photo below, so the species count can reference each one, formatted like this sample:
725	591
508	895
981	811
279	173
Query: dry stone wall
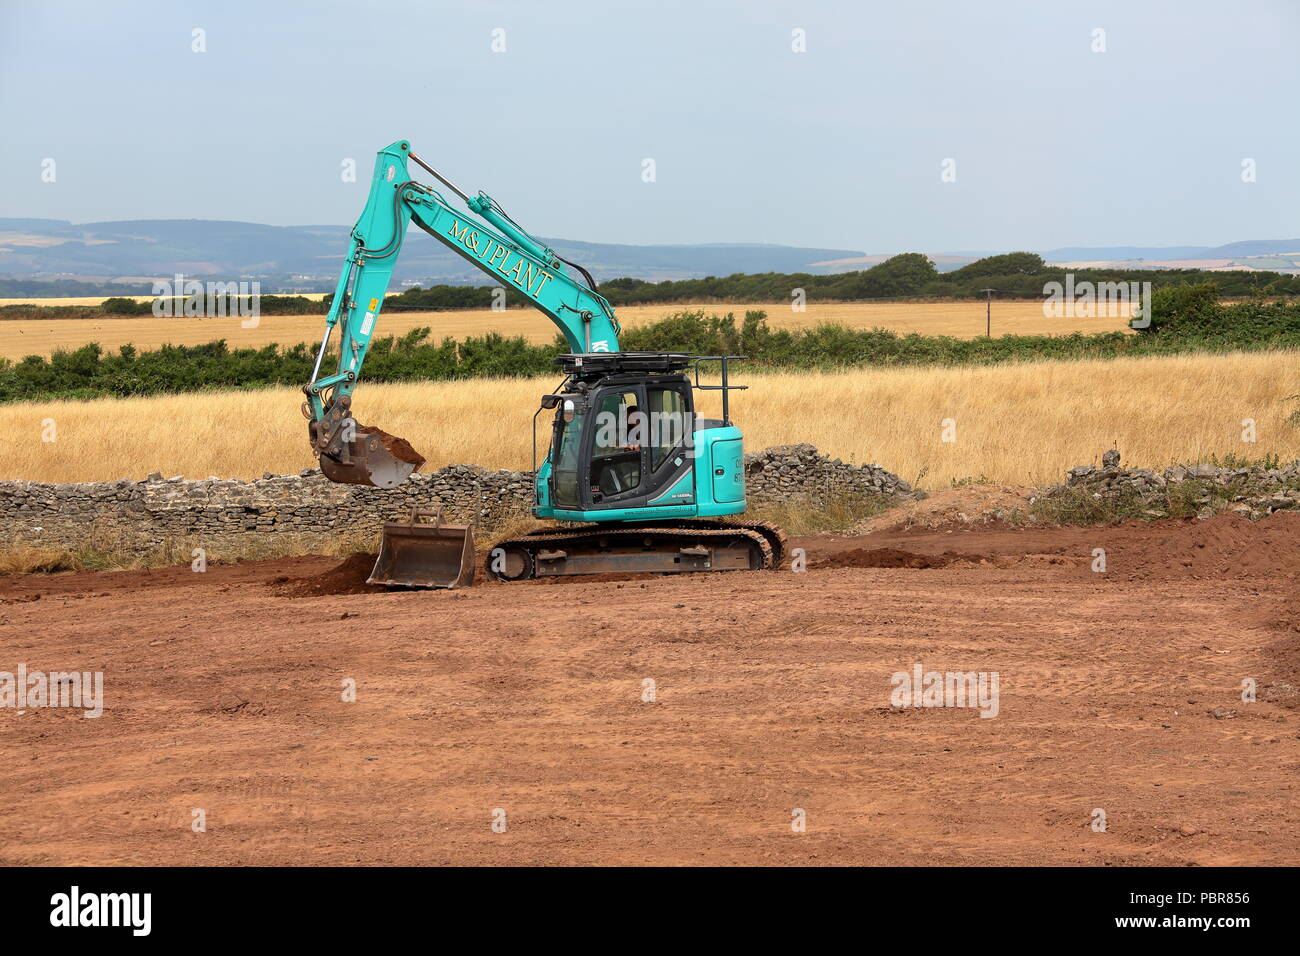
1255	491
140	516
143	516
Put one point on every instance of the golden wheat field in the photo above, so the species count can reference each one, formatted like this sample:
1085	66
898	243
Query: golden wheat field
1018	424
21	337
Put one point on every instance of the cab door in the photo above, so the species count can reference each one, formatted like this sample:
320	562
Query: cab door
671	427
640	436
617	454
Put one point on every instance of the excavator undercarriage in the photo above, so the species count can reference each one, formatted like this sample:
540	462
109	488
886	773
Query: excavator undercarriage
665	548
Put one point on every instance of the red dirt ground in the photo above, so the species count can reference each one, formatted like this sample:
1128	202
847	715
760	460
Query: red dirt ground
1119	690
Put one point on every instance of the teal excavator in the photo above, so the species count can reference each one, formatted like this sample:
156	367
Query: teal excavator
640	483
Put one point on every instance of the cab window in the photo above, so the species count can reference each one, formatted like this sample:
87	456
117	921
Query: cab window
566	462
668	423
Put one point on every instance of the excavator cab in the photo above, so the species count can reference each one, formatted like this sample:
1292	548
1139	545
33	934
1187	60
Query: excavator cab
625	446
626	443
643	479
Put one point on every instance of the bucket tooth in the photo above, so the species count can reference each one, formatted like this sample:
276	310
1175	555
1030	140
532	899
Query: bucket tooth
423	553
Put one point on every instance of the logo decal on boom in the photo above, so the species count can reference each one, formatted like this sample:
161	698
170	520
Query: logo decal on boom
523	273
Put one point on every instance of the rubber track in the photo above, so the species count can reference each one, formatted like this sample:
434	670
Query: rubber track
559	538
775	534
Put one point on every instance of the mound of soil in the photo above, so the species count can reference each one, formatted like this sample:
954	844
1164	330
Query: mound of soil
892	558
957	508
347	577
1227	545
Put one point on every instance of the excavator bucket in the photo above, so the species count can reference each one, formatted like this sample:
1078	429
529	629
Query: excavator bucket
373	457
419	553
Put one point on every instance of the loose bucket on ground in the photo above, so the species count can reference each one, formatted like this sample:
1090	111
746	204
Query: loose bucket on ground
423	552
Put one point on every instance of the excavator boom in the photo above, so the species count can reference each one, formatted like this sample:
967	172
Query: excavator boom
482	234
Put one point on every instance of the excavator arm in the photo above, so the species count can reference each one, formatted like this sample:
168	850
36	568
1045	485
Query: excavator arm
485	236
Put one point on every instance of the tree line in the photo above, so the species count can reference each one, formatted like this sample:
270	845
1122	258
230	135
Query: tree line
1184	319
910	275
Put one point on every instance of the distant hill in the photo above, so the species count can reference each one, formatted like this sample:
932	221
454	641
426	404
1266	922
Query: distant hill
126	255
1253	247
1122	253
1261	255
943	262
306	254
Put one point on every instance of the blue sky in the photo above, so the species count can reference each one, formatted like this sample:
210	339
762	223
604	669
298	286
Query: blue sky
839	146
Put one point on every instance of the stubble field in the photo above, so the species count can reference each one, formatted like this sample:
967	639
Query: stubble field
21	337
1021	423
